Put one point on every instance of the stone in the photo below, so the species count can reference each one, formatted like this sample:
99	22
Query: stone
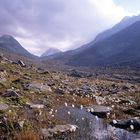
79	74
21	63
3	107
40	86
10	93
126	124
125	88
42	71
125	100
132	111
100	111
59	130
17	81
2	80
35	106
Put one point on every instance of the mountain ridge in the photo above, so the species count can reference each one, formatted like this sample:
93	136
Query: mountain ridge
10	44
115	50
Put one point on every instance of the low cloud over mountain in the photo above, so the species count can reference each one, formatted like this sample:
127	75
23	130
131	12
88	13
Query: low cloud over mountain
56	23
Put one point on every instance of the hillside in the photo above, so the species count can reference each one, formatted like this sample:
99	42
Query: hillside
124	23
37	104
11	45
98	51
121	48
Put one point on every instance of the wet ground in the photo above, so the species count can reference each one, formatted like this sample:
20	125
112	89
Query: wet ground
91	127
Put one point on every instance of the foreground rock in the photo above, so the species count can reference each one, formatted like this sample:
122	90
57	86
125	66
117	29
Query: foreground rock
58	130
131	124
100	111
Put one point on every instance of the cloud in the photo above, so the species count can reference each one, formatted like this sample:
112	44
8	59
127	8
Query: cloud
38	24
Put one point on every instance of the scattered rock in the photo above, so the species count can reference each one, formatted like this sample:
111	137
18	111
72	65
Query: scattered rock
85	89
58	130
3	107
35	106
132	111
21	63
2	80
131	124
59	91
100	111
126	88
10	93
40	86
125	100
42	71
17	81
79	74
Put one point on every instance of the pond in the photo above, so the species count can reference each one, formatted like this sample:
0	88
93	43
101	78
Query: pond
91	127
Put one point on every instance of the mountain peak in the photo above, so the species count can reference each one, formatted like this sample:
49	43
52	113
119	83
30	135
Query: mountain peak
10	44
51	51
125	18
6	36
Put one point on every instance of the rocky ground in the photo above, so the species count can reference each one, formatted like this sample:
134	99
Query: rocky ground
30	97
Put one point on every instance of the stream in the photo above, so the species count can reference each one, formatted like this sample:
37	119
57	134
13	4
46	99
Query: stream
91	127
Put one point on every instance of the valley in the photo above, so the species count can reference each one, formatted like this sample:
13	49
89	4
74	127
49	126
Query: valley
88	93
34	100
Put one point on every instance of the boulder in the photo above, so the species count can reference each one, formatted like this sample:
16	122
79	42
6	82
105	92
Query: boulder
58	130
10	93
21	63
79	74
100	111
131	124
40	86
43	71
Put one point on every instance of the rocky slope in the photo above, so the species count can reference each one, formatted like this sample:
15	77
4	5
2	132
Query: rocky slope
31	100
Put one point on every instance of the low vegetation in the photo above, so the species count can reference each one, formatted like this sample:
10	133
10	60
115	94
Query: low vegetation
41	94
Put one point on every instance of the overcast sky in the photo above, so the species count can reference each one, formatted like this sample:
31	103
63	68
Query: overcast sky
64	24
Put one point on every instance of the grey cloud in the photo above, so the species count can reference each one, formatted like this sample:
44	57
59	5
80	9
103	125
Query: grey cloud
52	22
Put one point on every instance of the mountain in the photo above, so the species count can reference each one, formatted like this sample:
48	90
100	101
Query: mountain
11	45
51	51
64	56
122	48
125	22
